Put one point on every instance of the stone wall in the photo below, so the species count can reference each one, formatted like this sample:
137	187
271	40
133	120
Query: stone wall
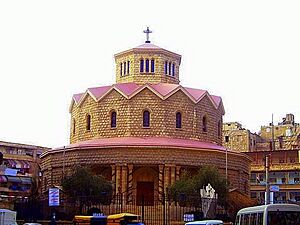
56	162
130	117
141	78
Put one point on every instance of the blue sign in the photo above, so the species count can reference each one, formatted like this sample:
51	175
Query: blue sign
53	197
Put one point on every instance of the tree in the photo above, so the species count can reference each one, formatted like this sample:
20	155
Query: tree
187	189
87	188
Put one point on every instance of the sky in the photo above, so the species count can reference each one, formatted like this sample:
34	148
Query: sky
247	52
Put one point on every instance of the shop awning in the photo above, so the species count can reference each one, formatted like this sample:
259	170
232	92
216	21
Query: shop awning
26	180
3	179
14	163
13	179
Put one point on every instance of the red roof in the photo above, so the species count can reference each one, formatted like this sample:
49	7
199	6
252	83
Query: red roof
146	142
161	89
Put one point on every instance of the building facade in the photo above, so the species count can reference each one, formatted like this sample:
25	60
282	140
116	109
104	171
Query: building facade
144	131
19	171
281	143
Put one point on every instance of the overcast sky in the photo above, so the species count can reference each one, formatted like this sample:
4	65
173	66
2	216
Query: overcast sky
247	52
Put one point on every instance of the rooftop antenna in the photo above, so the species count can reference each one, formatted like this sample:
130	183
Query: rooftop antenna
147	32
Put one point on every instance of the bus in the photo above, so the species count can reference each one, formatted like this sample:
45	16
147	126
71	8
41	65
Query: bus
273	214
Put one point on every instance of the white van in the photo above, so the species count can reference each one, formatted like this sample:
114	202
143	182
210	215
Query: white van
206	222
273	214
8	217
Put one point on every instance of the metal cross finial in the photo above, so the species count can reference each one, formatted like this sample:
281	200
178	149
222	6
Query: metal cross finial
147	32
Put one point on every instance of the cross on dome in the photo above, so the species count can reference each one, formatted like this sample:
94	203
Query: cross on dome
147	32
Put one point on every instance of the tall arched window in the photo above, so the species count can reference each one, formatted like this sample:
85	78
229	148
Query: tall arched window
146	118
141	65
113	119
147	65
166	67
121	69
173	69
125	68
88	122
204	124
219	129
170	68
128	67
74	126
152	65
178	120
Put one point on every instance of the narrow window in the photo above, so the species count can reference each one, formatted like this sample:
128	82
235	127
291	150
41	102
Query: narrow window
124	68
88	122
166	67
178	120
113	119
74	126
121	69
141	65
128	67
170	68
226	138
152	65
204	124
219	129
173	69
147	65
146	118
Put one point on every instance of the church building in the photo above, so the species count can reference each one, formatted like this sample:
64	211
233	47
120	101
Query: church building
144	131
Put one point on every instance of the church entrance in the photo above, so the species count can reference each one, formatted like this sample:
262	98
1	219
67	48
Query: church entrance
145	193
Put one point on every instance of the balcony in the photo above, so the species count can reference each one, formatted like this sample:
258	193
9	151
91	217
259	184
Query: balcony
277	167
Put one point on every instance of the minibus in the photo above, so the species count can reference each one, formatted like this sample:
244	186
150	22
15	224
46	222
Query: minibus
273	214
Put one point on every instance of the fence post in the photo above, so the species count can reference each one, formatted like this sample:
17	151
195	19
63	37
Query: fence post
143	209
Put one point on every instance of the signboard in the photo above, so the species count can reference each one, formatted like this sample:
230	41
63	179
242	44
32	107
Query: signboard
188	217
53	197
10	172
274	188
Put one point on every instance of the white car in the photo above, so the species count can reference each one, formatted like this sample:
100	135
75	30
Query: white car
206	222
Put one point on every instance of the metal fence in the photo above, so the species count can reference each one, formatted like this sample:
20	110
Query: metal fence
162	211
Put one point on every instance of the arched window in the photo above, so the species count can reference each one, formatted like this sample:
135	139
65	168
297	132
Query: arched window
147	65
121	69
152	65
219	129
173	69
88	122
74	126
128	67
113	119
125	68
204	124
170	68
166	67
141	65
178	120
146	118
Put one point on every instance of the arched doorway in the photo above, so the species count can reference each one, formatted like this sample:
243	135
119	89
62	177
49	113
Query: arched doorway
145	181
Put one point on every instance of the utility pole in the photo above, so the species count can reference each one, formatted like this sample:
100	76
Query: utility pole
267	165
273	139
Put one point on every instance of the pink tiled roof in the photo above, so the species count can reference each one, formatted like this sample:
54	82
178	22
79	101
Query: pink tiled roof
161	89
148	45
195	93
77	97
216	99
164	88
98	92
127	88
146	142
